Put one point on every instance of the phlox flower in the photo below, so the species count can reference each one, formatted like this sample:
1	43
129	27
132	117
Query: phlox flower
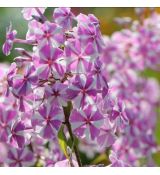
54	155
48	120
56	94
6	118
118	115
64	17
128	154
20	157
3	153
88	19
29	12
82	91
90	34
10	36
79	58
86	122
116	162
48	62
107	135
46	33
23	83
100	77
66	163
19	134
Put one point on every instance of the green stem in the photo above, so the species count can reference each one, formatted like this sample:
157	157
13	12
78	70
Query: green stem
74	145
67	111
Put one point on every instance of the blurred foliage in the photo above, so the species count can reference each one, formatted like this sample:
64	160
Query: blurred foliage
151	73
156	158
157	130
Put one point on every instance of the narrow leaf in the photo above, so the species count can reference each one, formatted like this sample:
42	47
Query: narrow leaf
62	141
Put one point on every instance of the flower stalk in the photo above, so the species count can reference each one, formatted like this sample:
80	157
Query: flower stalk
67	111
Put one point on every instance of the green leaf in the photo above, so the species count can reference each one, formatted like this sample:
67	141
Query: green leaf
156	158
157	130
39	164
102	158
67	109
70	144
62	141
151	73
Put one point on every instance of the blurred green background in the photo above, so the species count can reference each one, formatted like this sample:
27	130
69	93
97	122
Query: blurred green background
108	26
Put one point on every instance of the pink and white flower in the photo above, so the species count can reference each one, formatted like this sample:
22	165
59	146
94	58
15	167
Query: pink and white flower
86	122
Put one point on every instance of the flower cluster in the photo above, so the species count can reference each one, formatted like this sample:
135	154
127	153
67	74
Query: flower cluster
127	53
88	84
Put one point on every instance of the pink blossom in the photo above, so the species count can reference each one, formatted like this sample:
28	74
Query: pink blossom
29	12
20	157
79	59
64	17
10	36
82	91
66	163
86	122
48	120
48	62
56	94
